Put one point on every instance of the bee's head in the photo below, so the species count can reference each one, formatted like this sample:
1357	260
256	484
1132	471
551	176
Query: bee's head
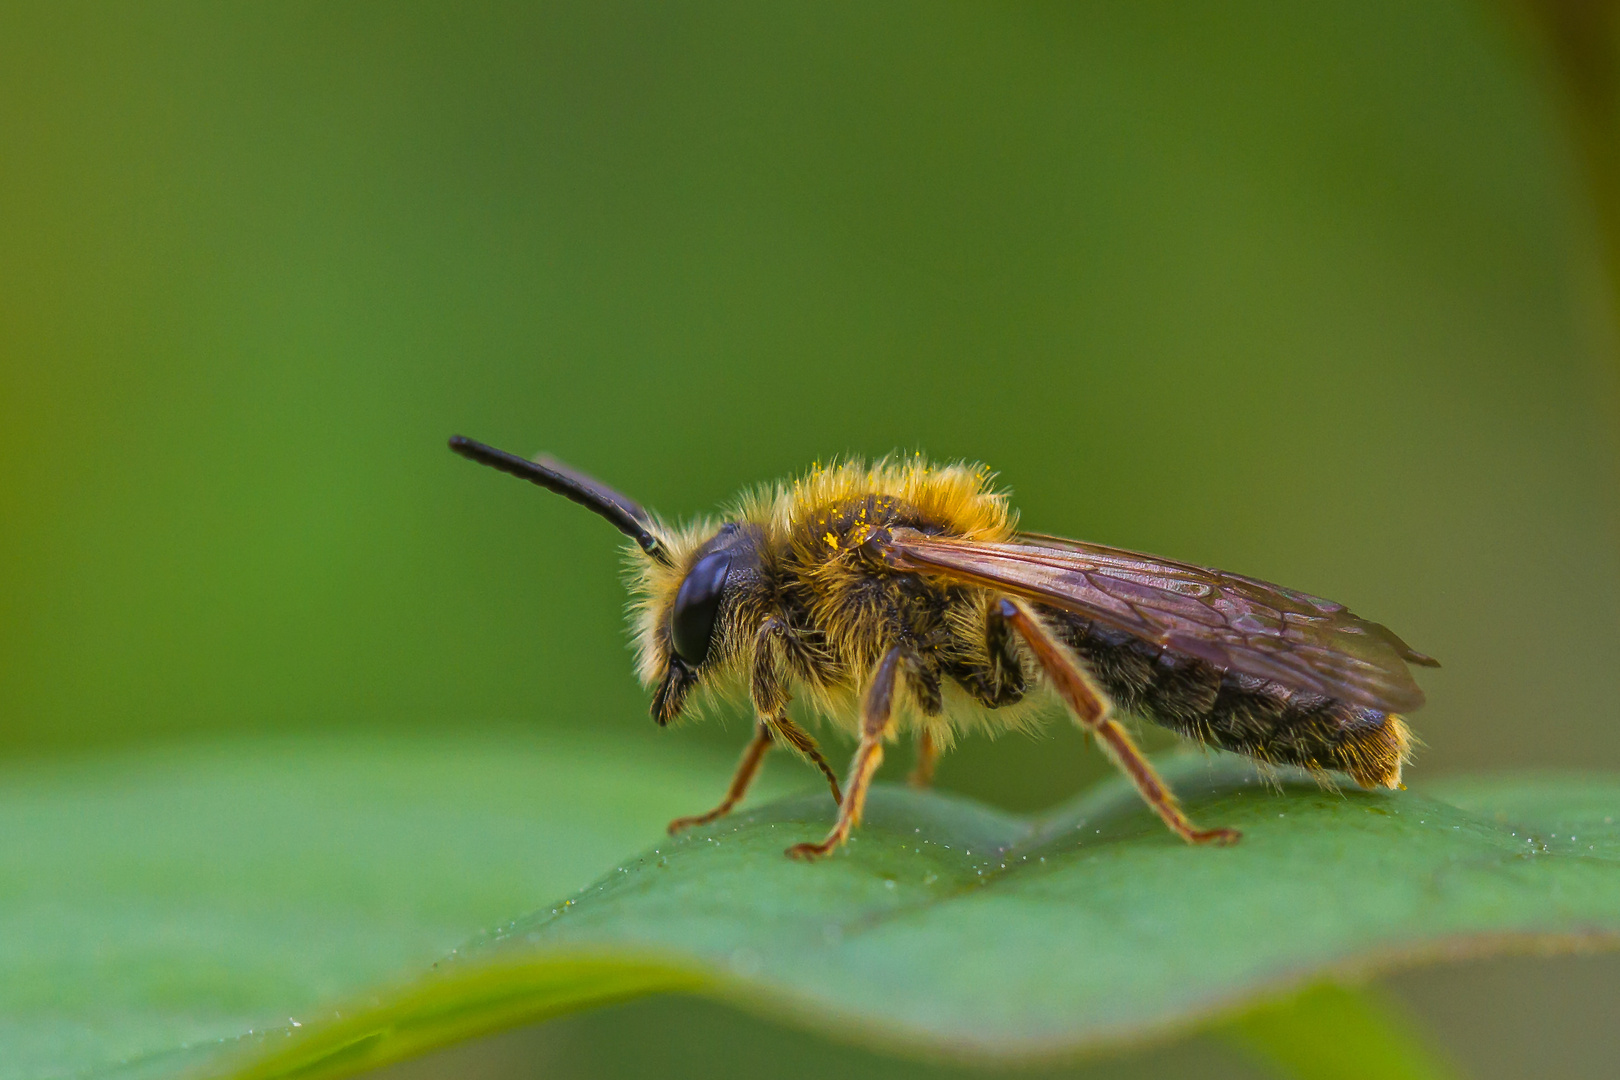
691	620
689	584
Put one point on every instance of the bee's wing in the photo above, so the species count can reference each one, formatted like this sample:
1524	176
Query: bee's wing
1226	620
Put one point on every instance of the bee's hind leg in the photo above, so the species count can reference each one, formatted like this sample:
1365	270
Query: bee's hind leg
922	773
876	710
1091	709
748	768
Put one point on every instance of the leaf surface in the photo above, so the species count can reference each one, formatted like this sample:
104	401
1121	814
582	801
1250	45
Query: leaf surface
188	894
947	928
173	913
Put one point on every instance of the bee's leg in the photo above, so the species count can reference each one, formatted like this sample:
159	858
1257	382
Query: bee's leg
876	711
922	774
747	769
801	741
769	690
1001	681
922	679
1091	708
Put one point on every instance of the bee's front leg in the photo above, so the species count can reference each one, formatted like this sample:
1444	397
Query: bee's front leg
801	742
769	689
876	710
747	769
770	694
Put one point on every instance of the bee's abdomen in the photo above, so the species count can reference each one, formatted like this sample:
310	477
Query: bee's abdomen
1261	719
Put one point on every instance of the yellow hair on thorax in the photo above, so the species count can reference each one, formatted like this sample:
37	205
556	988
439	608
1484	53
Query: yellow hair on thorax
959	497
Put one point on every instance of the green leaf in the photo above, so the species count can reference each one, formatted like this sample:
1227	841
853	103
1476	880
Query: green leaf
187	895
946	928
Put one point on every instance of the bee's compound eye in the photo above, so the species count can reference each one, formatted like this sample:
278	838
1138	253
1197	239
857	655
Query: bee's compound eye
697	602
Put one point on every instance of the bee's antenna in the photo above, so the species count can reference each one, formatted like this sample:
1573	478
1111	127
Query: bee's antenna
625	514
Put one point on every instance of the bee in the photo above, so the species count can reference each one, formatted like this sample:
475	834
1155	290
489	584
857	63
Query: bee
901	597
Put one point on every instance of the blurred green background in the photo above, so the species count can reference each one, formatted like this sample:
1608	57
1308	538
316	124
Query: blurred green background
1311	292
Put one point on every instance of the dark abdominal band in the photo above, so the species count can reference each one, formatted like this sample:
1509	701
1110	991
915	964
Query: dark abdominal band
1235	712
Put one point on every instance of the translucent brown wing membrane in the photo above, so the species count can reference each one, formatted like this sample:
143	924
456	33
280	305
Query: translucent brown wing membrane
1226	620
